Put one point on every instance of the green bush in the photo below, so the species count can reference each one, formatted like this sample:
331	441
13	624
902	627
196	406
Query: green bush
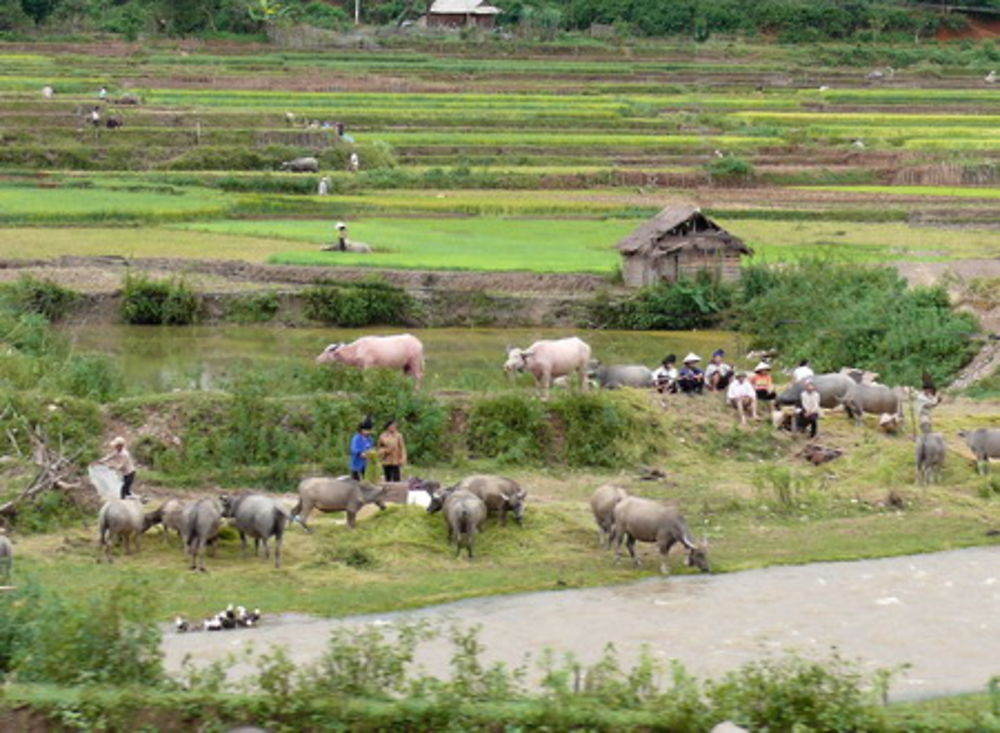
512	428
840	315
731	170
253	308
46	298
350	305
684	305
93	376
600	429
158	302
108	638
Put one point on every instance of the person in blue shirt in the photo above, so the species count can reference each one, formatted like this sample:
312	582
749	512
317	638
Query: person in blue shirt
361	444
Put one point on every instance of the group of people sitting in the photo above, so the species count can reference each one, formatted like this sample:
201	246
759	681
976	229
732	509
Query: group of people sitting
743	390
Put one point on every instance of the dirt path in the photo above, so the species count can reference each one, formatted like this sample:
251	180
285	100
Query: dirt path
936	612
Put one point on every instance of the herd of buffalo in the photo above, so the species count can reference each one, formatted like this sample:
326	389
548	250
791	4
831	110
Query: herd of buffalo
465	507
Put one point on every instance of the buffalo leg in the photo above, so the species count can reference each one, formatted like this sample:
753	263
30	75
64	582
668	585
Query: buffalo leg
243	545
277	551
630	544
351	518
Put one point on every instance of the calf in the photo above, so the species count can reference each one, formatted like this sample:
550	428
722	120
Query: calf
464	514
200	524
123	519
602	503
931	452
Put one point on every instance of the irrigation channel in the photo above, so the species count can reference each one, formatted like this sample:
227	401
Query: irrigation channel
164	358
938	612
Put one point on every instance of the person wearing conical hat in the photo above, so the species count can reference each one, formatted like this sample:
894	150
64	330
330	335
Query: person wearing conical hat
691	379
762	381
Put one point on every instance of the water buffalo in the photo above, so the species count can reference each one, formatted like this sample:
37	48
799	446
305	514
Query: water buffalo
614	376
549	359
831	387
402	351
123	519
464	514
931	451
872	398
984	444
6	555
342	494
168	514
500	494
646	520
301	165
200	523
259	516
602	503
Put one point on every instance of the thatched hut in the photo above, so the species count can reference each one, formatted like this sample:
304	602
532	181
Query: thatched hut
677	243
461	14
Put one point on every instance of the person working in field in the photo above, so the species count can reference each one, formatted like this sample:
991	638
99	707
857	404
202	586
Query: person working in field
120	460
392	451
361	449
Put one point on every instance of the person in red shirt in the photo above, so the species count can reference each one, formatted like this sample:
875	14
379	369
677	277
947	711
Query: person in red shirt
762	381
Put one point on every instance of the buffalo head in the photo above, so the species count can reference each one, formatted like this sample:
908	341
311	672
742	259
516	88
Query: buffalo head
697	557
329	353
517	360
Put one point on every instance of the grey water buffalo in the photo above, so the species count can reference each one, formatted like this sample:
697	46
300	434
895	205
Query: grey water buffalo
402	351
984	444
200	523
301	165
259	516
614	376
602	503
343	494
169	515
871	398
6	555
123	519
464	514
645	520
831	387
548	359
931	452
499	493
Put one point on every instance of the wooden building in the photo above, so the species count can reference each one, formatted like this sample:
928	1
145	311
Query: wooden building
462	14
677	243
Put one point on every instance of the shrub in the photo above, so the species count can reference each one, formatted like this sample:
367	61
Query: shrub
253	308
106	638
373	302
599	429
154	302
731	170
683	305
848	315
44	297
94	376
511	428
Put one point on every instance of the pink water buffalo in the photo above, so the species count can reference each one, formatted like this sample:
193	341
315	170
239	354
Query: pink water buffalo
402	351
549	359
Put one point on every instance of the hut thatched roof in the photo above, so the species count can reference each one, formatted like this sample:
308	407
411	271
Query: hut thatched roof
677	227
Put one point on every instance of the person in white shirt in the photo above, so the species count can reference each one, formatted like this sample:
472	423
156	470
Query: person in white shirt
742	396
665	375
120	460
802	371
718	374
809	414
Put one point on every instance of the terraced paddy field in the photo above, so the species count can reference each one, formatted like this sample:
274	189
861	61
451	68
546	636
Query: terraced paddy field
548	157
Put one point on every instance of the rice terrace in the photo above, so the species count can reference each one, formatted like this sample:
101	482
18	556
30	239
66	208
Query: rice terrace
217	221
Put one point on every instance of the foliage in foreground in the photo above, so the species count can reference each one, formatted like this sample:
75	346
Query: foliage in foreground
150	302
366	678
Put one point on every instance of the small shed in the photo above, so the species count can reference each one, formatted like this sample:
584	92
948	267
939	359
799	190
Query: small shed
677	243
462	14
